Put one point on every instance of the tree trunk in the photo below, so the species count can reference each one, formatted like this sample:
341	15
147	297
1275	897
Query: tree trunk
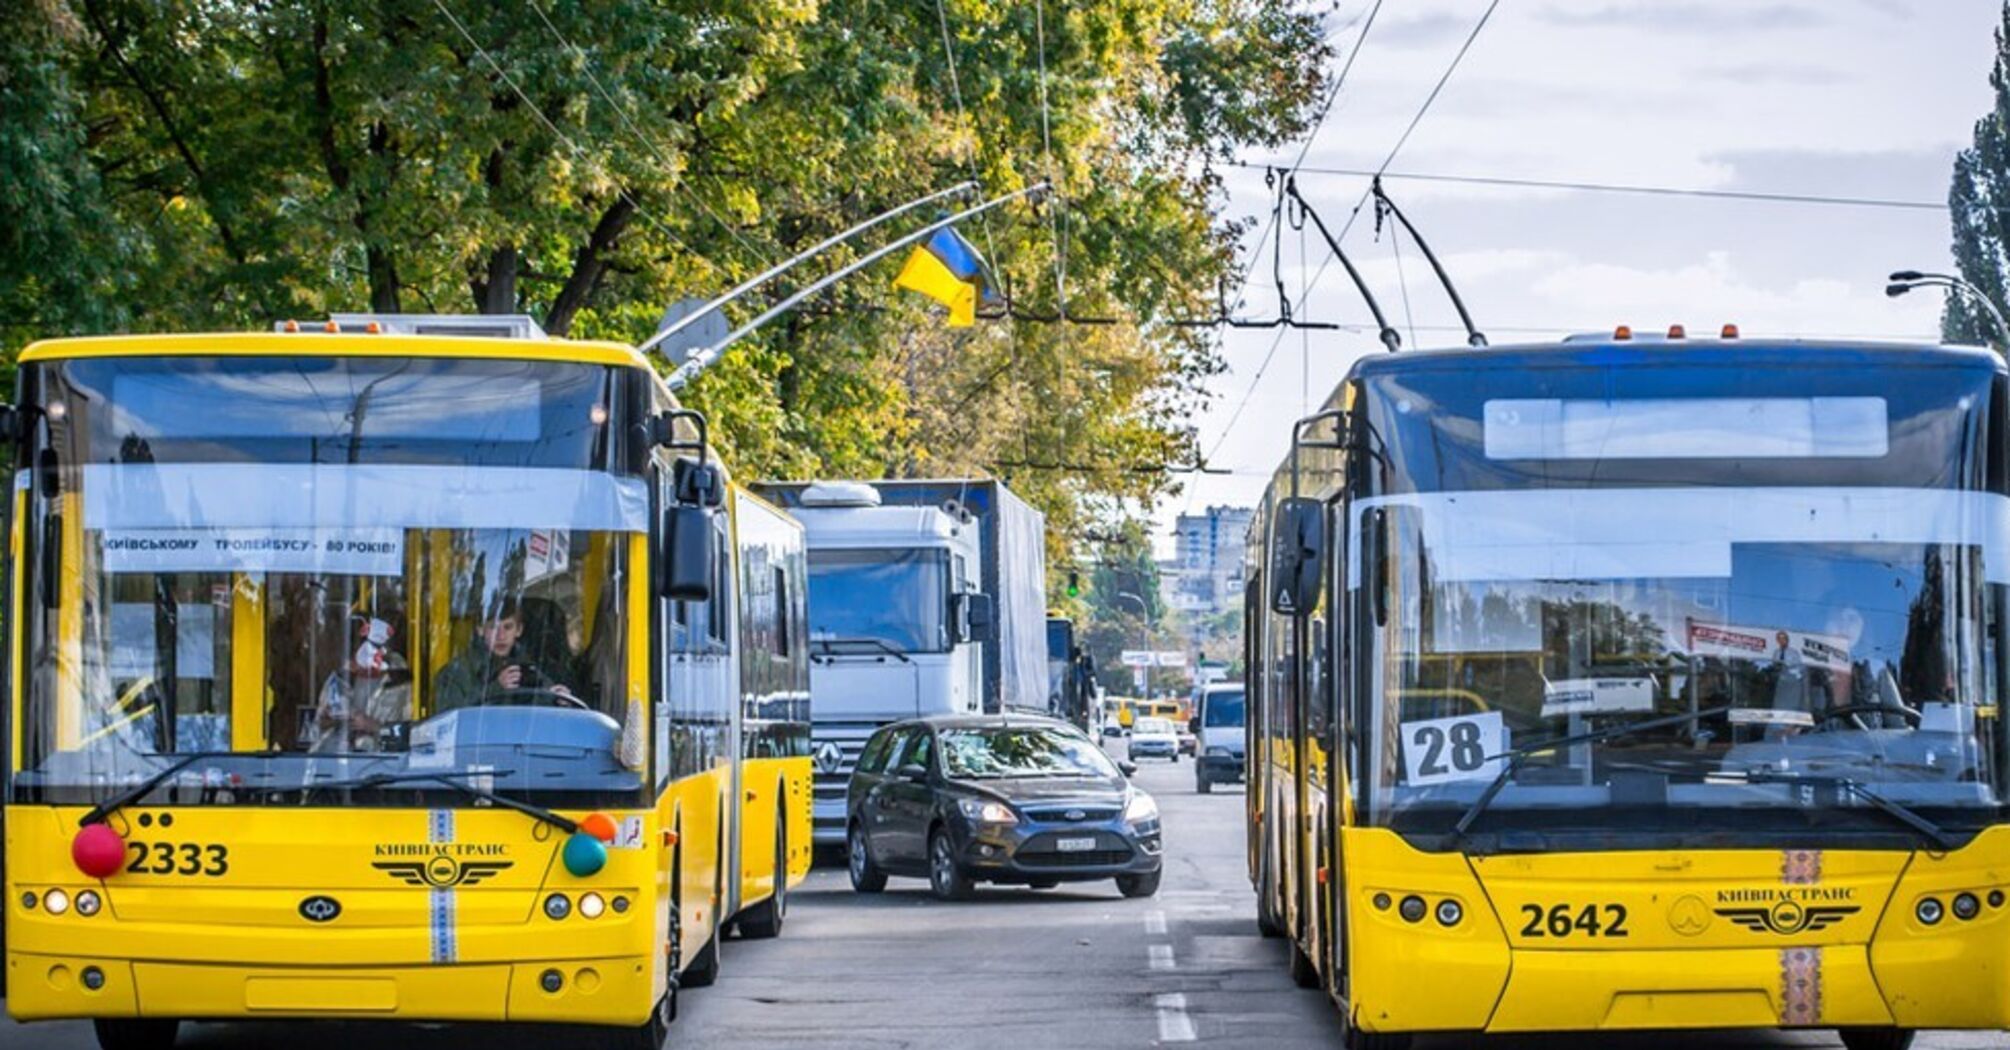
588	265
384	286
495	290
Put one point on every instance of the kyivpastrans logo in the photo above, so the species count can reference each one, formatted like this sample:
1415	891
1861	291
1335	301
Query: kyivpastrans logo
320	908
1789	911
443	865
1689	916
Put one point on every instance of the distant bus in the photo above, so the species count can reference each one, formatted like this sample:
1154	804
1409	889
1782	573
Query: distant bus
1610	685
427	678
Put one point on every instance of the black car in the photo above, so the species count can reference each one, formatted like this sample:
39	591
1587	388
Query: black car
959	799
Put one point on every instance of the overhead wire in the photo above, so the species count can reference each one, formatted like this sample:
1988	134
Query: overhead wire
1757	196
648	143
963	117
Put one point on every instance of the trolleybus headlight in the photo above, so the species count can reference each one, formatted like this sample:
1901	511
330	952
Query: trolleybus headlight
557	907
1412	908
591	906
56	902
1449	913
1929	911
1965	906
88	903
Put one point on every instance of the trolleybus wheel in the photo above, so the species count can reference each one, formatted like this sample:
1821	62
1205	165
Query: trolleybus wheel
704	966
649	1035
1303	973
1876	1038
764	920
136	1033
1356	1039
1266	923
944	876
865	875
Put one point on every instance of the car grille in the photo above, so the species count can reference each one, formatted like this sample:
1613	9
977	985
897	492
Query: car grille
1061	815
1041	851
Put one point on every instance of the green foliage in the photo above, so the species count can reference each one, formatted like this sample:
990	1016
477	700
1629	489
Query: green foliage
1980	203
205	164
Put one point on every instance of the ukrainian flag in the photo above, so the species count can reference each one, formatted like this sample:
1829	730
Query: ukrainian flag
947	269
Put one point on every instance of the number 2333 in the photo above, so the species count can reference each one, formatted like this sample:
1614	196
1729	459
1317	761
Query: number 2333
177	858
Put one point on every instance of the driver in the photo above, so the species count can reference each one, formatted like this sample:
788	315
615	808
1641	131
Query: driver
492	664
373	691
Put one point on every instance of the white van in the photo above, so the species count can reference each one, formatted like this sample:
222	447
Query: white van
1218	728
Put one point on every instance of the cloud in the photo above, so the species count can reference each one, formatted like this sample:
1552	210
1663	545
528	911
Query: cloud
1768	73
1426	31
1687	17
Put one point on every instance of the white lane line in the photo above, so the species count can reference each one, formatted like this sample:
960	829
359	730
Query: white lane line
1161	956
1174	1024
1155	923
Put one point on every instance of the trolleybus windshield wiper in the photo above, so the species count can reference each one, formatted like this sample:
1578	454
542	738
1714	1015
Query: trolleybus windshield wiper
452	779
1515	755
146	787
1934	834
878	643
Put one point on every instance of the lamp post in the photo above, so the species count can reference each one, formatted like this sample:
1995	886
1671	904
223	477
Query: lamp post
1144	636
1904	281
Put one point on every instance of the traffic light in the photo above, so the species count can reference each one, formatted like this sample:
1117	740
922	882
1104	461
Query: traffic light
1074	584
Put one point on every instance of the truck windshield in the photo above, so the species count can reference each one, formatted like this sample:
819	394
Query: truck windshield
322	570
873	600
1222	709
1849	633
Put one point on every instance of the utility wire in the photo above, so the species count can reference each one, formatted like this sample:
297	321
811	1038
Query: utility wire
1047	158
571	143
648	143
1616	187
963	117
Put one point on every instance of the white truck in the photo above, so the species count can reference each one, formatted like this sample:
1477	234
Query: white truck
926	597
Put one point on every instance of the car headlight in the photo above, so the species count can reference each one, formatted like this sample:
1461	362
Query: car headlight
987	812
1140	809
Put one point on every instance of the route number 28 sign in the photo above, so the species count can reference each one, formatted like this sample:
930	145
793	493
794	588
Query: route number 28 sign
1441	750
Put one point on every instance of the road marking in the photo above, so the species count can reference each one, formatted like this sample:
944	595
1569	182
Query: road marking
1155	923
1161	956
1174	1024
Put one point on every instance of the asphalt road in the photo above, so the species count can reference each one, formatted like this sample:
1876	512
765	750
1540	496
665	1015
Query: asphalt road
1077	967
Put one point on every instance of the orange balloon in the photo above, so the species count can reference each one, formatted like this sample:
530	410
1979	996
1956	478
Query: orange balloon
599	825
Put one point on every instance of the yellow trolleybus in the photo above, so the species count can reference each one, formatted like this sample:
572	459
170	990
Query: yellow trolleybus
364	673
1622	684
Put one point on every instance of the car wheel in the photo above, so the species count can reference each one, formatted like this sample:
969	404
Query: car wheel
1042	884
866	877
1876	1038
1142	885
135	1033
945	877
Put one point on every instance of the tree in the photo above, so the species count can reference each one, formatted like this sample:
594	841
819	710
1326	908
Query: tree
206	164
1980	205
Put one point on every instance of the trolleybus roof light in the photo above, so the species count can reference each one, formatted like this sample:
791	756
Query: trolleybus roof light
290	326
1676	331
1730	332
1622	333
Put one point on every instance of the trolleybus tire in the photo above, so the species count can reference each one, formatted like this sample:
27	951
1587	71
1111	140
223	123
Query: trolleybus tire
1876	1038
704	966
945	877
866	877
764	920
649	1035
1143	885
1303	973
136	1033
1266	923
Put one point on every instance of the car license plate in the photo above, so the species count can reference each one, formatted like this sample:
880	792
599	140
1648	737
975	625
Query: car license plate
1075	845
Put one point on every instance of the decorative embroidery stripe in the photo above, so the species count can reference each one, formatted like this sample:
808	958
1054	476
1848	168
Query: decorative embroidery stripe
440	825
1800	986
1801	866
440	831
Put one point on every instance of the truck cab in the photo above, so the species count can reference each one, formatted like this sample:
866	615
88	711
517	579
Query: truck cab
896	625
1220	739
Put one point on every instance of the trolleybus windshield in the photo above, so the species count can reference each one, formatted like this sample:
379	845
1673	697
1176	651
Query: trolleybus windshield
329	571
1822	553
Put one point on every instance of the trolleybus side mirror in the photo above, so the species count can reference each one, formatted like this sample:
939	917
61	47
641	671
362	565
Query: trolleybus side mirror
684	571
698	483
1297	555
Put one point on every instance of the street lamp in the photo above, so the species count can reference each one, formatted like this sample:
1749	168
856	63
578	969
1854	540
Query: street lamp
1904	281
1144	635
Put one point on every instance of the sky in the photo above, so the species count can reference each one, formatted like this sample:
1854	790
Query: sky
1853	98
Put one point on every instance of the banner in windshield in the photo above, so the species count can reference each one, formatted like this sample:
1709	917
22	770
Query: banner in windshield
349	551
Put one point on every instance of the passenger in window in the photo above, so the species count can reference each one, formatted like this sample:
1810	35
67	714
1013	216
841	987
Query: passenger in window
496	663
371	692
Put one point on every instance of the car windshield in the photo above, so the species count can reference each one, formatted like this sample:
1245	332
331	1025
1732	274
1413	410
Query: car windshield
1222	710
1019	751
319	570
1154	727
874	600
1815	630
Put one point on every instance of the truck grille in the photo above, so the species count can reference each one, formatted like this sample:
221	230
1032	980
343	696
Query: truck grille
848	739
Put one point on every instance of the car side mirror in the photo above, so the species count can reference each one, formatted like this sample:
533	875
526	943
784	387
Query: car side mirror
913	772
975	617
1193	725
685	566
1127	767
1297	555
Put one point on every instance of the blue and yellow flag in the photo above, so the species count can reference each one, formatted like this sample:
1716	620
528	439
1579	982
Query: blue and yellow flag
947	269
